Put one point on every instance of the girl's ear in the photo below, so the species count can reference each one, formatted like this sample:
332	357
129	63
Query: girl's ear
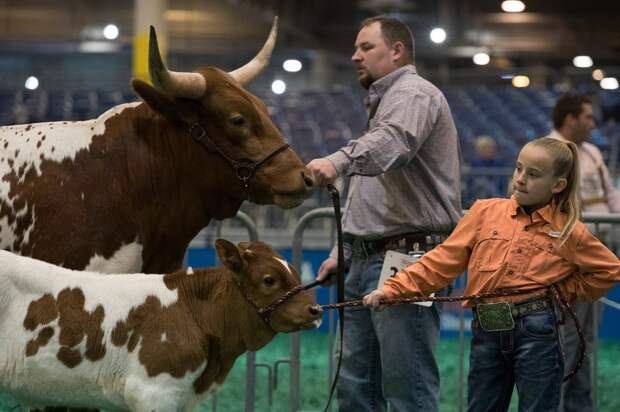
559	185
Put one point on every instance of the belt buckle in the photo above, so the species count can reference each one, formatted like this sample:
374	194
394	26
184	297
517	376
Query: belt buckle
358	248
495	317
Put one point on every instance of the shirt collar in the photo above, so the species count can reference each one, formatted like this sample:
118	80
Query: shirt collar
380	87
546	213
557	135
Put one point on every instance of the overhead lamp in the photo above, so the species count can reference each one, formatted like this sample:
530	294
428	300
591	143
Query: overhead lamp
598	75
481	59
609	83
583	61
32	83
292	65
513	6
110	32
278	86
438	35
520	81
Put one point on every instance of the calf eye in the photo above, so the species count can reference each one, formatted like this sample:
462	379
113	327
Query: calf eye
237	120
269	280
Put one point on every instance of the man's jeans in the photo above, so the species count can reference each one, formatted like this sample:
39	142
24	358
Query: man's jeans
529	355
387	355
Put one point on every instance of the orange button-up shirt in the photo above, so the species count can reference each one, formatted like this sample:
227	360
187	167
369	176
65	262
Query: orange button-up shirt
502	247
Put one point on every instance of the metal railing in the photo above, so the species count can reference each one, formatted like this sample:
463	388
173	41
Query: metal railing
596	219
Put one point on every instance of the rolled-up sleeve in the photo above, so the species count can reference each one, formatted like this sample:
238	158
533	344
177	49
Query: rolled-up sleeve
403	121
598	269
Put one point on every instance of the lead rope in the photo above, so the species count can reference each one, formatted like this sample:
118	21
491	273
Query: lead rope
340	293
556	296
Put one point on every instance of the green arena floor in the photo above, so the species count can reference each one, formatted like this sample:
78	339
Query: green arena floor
315	384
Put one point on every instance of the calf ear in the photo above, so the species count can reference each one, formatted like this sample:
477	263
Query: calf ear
229	255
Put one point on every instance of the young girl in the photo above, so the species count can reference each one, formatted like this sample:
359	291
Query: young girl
532	239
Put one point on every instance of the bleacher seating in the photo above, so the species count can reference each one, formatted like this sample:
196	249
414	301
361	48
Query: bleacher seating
318	123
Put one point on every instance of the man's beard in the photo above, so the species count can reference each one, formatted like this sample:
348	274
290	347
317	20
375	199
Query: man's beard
366	80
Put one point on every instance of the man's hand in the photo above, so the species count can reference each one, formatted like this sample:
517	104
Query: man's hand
328	267
373	300
323	170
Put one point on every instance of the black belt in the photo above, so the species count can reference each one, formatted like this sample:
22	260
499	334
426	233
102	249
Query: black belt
425	241
527	307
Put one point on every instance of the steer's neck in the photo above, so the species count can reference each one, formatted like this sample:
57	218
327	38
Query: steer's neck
179	187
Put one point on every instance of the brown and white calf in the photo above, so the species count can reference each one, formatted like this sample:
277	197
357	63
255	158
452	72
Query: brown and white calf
139	342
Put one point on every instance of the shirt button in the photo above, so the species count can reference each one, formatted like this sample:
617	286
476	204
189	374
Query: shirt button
510	272
519	250
526	228
495	232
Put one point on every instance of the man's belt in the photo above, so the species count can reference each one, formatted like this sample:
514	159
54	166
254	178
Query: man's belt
363	248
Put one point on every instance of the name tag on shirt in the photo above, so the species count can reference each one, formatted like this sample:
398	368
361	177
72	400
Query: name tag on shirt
394	262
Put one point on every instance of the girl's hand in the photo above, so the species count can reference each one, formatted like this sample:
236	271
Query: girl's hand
373	300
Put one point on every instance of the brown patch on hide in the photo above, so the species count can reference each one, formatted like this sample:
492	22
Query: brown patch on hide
75	324
33	345
41	312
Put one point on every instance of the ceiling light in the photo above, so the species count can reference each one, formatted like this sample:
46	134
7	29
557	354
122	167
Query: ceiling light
513	6
32	83
278	87
438	35
520	81
110	32
609	83
598	75
481	59
292	65
582	61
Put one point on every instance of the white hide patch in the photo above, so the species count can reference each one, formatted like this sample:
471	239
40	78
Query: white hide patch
126	259
103	383
189	271
284	263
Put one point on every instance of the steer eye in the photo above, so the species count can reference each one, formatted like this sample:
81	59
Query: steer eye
269	280
237	120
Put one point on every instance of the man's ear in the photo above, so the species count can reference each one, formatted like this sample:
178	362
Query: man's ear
559	185
229	255
398	51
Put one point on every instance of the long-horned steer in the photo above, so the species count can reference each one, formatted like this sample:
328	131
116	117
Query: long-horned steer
140	342
128	191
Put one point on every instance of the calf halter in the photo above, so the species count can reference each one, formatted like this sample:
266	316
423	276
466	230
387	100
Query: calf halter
244	168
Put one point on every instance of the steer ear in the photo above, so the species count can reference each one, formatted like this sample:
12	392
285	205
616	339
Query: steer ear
229	255
156	100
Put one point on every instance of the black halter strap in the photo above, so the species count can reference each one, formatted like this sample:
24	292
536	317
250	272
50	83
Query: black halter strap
244	168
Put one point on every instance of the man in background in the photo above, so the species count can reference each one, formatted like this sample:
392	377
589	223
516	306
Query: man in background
573	120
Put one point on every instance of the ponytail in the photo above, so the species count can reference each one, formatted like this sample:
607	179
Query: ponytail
566	165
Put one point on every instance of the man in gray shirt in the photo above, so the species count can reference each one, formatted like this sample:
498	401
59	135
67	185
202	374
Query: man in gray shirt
404	189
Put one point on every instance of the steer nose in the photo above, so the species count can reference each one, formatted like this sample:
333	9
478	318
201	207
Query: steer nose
308	179
315	310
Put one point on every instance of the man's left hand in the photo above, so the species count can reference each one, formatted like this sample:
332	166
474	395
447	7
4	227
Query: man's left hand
323	170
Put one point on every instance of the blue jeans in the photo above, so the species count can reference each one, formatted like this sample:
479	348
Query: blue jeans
529	356
388	356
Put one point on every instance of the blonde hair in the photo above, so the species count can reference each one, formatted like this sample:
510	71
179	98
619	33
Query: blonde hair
565	165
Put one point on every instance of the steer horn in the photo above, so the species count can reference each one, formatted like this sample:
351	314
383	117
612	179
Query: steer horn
253	68
179	84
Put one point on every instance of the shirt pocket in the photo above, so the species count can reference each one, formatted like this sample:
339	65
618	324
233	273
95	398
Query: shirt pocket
547	259
492	247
